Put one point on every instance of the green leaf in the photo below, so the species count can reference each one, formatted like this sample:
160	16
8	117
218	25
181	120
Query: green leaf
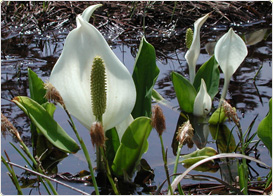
50	108
145	75
265	129
243	178
134	143
207	151
46	124
209	71
159	99
225	139
112	143
218	116
36	87
198	155
185	92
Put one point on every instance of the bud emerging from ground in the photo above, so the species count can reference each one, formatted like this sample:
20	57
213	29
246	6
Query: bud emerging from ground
52	94
98	87
7	126
158	120
97	134
185	134
230	112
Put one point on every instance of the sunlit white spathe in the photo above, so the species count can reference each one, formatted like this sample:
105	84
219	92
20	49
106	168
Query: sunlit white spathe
202	102
230	51
71	75
194	51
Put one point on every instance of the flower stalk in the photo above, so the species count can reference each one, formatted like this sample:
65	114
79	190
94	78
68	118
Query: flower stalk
158	122
184	136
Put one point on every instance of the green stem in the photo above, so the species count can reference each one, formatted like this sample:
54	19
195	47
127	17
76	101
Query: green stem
225	88
30	165
99	159
165	165
37	166
98	153
108	172
181	192
86	154
13	176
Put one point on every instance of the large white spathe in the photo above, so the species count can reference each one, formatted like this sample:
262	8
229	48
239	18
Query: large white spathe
202	102
230	51
71	75
194	51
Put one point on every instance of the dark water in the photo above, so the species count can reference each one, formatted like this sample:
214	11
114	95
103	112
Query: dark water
40	51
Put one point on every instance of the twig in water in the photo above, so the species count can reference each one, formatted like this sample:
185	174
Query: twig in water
49	178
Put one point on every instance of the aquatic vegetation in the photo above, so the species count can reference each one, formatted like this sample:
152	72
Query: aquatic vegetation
90	83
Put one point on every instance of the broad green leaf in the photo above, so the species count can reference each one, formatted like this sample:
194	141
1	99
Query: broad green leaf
159	99
265	129
209	166
46	124
218	117
37	93
185	92
198	155
50	108
112	143
144	75
225	139
193	160
133	144
36	87
209	71
207	151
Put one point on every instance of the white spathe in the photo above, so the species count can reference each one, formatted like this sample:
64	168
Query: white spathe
202	102
194	51
230	51
71	75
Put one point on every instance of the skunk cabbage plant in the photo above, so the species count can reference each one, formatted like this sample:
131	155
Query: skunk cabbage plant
194	51
71	75
230	51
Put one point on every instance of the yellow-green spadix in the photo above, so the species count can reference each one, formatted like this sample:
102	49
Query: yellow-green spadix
71	76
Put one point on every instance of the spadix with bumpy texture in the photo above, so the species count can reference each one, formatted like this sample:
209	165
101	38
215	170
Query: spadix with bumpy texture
189	37
71	76
98	87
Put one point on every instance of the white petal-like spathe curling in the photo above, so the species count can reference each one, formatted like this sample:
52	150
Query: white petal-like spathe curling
71	75
194	51
202	102
230	51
